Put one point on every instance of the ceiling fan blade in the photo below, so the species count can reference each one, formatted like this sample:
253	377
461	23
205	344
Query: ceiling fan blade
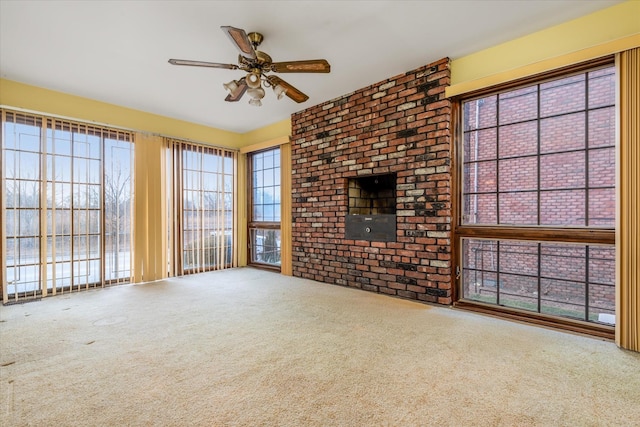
238	92
202	64
291	92
240	39
309	66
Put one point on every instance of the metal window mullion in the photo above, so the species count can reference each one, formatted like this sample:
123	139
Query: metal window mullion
586	192
497	272
538	164
586	150
497	161
539	278
586	284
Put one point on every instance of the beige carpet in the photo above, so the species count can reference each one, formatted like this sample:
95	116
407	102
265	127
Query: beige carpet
246	347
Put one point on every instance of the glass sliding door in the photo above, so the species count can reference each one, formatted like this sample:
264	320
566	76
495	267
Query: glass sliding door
202	209
66	196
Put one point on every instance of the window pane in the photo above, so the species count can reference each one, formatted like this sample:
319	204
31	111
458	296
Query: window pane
519	139
518	105
602	207
562	133
562	208
555	172
564	170
481	177
602	127
520	174
562	96
518	208
602	88
561	279
602	163
480	145
265	246
480	209
518	291
480	113
563	298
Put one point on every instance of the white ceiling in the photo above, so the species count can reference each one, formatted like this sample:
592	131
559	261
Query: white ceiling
117	51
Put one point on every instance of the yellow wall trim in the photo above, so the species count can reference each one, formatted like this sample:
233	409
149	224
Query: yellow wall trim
613	25
268	133
44	101
264	145
546	65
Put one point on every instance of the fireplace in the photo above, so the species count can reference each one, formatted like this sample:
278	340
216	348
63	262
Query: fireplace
392	236
371	213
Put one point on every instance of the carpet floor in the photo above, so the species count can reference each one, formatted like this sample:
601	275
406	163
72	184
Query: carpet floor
246	347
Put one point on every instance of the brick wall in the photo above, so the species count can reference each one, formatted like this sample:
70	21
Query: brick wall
402	126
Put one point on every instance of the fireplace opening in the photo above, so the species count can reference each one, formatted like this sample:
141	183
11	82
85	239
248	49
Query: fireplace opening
372	195
372	208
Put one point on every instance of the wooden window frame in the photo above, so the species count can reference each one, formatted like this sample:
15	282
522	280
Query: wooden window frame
264	225
584	235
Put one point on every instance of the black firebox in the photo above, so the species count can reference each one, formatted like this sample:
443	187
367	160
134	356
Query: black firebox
372	208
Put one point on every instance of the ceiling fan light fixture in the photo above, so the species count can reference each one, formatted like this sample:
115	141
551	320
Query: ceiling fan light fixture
231	86
256	95
279	91
253	79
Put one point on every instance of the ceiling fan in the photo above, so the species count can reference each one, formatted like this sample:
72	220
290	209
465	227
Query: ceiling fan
256	64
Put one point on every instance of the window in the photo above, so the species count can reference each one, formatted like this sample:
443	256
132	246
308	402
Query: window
264	223
538	197
67	200
204	205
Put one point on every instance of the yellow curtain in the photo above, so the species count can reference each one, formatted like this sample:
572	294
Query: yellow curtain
150	259
628	227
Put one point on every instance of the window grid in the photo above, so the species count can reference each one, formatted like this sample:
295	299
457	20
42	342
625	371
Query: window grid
471	162
64	200
538	168
265	207
488	279
206	211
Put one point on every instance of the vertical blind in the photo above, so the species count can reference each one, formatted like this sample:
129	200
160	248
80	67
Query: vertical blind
628	239
66	196
202	208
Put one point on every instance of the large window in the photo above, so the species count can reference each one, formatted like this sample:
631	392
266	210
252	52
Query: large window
67	205
204	188
264	223
538	197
